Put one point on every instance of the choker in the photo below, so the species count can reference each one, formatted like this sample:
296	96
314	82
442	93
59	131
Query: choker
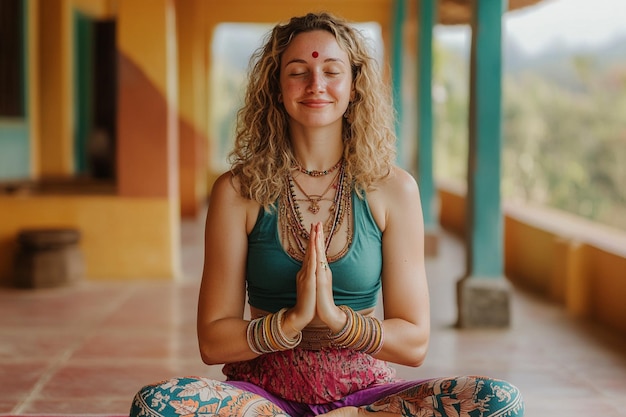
315	173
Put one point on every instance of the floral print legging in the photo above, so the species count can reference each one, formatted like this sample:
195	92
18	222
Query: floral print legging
466	396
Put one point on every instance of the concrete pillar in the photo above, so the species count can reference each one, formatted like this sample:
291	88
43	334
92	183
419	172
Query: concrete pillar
426	24
147	136
193	153
55	151
484	293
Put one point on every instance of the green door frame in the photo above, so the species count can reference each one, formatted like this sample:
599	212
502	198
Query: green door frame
83	89
15	132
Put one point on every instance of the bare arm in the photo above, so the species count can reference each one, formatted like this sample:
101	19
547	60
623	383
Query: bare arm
221	304
397	209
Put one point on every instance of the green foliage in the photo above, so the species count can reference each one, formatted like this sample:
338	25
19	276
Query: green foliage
564	143
451	89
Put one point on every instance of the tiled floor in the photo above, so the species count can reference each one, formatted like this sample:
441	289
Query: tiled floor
88	348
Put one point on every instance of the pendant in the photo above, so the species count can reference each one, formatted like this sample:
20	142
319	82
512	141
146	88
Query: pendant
314	207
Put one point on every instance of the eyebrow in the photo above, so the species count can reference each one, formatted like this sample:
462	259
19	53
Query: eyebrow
304	61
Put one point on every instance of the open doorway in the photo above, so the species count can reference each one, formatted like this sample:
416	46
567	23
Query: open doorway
95	86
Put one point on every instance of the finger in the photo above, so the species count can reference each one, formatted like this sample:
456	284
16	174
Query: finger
312	249
320	246
320	230
309	247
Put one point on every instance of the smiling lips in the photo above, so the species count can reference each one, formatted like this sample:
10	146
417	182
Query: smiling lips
315	103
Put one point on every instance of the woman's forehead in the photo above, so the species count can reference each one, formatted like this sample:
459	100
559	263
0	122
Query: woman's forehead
315	45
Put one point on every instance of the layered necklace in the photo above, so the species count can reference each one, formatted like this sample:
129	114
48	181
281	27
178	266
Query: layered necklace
313	199
294	234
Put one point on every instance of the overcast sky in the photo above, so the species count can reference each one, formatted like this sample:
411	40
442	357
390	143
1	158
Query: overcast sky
569	22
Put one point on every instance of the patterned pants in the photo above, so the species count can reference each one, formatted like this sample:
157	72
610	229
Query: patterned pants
461	396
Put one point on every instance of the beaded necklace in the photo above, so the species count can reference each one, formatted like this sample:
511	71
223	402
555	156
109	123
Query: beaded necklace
315	173
295	236
313	199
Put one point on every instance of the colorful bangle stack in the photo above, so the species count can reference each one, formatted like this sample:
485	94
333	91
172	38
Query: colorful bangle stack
266	335
361	333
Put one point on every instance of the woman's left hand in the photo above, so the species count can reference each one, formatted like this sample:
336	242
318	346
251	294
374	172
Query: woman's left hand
326	309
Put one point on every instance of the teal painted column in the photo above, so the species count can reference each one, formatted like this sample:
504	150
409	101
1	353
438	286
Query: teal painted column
426	23
484	293
397	45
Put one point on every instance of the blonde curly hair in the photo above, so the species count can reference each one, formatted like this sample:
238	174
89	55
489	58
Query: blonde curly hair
262	155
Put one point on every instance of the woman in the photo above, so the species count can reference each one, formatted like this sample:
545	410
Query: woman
312	222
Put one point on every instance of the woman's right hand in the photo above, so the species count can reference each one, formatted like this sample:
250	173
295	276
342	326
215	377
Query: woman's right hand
299	316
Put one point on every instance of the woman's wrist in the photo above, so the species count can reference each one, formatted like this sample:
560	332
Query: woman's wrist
360	333
289	324
266	334
339	321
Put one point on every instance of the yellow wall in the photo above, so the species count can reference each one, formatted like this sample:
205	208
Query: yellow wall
99	9
122	238
529	253
255	11
142	26
606	282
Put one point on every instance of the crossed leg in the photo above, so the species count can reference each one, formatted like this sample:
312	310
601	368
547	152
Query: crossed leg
466	396
193	396
454	397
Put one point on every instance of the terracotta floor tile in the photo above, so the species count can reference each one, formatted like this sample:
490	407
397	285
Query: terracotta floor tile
65	307
18	379
83	379
85	405
574	407
142	344
155	306
7	405
40	342
80	381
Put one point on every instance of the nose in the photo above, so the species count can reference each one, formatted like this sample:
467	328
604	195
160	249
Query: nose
316	82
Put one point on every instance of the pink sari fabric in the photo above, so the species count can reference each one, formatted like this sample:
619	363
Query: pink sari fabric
312	376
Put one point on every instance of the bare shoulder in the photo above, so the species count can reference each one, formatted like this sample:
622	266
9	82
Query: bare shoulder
399	184
226	189
399	191
226	185
225	198
397	187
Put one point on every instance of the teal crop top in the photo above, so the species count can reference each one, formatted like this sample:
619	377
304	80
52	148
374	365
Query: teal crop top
271	272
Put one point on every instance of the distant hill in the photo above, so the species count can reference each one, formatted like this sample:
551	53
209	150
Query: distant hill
556	62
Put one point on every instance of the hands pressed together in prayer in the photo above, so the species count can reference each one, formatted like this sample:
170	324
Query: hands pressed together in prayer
314	285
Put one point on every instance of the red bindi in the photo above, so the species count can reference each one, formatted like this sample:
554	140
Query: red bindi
315	54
